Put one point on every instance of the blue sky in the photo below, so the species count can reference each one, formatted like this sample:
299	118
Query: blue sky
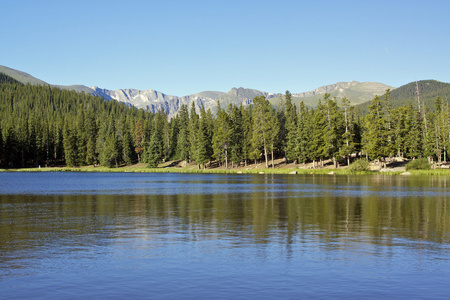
184	47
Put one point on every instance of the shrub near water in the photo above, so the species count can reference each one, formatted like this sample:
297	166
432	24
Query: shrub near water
418	164
359	165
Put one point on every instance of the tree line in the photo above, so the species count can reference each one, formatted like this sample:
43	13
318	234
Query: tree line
43	125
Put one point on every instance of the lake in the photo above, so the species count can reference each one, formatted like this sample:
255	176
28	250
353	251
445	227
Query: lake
210	236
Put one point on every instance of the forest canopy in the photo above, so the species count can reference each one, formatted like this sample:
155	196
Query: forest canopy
46	126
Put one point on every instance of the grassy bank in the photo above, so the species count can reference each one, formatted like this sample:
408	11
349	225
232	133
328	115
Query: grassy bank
143	169
281	167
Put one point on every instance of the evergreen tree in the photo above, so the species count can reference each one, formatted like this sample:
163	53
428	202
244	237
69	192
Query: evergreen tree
388	120
2	155
375	133
348	146
148	132
290	127
203	141
70	144
174	130
246	132
58	146
222	136
11	145
90	128
81	138
163	127
32	140
183	143
273	134
139	138
304	134
127	146
441	124
413	129
22	134
110	154
193	132
265	126
236	134
318	147
399	129
358	125
101	141
430	141
333	129
155	150
209	131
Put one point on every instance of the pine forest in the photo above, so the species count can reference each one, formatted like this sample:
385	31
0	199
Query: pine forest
47	126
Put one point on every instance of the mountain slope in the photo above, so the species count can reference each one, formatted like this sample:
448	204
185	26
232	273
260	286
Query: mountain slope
26	78
356	92
77	88
153	100
21	76
429	90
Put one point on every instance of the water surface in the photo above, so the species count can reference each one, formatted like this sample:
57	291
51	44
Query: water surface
203	236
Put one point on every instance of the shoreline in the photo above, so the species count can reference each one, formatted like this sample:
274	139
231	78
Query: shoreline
240	170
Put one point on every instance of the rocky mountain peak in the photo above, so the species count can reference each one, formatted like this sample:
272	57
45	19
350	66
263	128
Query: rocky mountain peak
153	100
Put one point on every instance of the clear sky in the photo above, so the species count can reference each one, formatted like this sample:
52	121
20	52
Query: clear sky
183	47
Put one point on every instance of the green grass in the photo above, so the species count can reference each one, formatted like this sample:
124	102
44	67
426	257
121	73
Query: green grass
187	170
431	172
195	170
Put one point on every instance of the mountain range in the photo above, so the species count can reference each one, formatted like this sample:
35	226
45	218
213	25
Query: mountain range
356	92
